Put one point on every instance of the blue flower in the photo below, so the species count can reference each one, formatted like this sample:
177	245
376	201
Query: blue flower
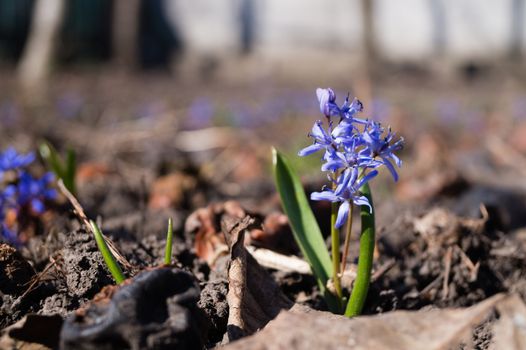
9	236
349	110
10	159
329	107
349	157
344	193
8	196
354	149
21	192
327	100
2	206
322	139
379	146
7	200
35	191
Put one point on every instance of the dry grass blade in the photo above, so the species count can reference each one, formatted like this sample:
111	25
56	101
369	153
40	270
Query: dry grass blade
447	270
37	279
82	216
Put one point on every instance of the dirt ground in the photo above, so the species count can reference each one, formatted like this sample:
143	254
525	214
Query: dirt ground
451	233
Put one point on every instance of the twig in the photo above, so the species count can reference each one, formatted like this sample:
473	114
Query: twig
431	285
447	270
80	213
383	269
273	260
38	277
473	268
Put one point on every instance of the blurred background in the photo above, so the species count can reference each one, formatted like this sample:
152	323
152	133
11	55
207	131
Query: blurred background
145	85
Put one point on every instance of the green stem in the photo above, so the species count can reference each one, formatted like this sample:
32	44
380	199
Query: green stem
169	239
365	260
335	243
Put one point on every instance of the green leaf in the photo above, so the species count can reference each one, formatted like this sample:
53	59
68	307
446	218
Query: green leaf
109	259
63	170
304	226
365	258
52	158
169	239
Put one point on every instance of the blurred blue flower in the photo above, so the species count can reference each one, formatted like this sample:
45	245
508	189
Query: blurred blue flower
7	200
21	192
35	191
69	105
200	113
9	236
10	159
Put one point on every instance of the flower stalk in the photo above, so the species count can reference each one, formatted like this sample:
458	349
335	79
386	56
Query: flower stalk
365	259
335	245
347	240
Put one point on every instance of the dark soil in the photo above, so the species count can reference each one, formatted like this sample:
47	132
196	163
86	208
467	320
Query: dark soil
443	250
415	252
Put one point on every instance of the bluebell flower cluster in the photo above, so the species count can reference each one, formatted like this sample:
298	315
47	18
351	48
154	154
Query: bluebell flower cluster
353	150
21	191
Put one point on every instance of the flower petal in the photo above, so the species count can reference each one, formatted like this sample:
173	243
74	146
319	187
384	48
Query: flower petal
361	201
324	196
367	177
310	150
391	168
37	205
325	97
343	213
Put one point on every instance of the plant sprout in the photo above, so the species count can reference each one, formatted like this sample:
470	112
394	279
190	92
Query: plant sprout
169	239
65	170
109	259
353	151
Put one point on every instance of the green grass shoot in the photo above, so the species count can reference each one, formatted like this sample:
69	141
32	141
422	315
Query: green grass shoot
169	240
109	259
65	170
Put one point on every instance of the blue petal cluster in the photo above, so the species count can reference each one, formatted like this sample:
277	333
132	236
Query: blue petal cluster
21	191
353	150
10	159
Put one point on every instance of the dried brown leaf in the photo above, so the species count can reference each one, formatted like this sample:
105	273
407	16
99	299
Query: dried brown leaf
510	329
253	297
432	330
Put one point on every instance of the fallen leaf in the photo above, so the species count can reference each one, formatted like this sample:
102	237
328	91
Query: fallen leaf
275	234
202	227
510	328
253	296
432	330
